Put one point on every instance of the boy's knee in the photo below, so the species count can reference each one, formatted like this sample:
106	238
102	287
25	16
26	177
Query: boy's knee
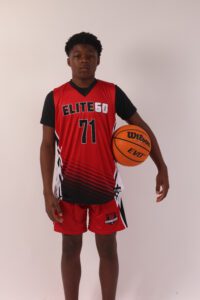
106	246
71	245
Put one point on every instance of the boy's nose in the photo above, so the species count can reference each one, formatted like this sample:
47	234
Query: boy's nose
84	59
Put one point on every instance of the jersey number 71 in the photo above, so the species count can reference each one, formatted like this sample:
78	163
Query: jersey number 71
85	125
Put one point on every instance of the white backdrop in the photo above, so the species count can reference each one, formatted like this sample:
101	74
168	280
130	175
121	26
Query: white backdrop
151	50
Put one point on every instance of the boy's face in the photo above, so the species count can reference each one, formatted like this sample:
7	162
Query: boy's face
83	60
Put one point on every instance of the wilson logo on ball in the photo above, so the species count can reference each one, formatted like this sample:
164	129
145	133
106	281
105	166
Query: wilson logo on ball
139	137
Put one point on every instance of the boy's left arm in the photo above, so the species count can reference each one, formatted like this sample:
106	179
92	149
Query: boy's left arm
162	181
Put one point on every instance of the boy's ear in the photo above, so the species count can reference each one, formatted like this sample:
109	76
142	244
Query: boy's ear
68	62
98	61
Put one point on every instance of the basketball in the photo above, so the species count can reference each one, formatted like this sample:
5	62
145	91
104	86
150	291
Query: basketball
131	145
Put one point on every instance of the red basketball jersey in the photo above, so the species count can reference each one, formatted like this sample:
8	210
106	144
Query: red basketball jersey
86	170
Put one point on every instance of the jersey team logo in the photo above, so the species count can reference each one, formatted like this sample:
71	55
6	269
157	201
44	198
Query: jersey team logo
111	218
80	107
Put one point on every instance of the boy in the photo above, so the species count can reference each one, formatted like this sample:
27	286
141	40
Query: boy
79	117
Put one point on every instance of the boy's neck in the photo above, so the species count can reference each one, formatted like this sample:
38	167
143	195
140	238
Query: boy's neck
83	83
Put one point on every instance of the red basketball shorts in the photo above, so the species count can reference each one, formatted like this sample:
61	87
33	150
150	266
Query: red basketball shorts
103	218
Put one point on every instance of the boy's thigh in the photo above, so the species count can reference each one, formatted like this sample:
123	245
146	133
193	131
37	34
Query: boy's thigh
107	218
74	219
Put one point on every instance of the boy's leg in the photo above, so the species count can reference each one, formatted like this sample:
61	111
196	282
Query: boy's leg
72	228
71	265
109	265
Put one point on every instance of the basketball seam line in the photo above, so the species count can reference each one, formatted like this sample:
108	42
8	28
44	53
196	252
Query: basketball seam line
126	155
116	138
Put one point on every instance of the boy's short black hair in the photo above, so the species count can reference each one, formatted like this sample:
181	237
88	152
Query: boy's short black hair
83	38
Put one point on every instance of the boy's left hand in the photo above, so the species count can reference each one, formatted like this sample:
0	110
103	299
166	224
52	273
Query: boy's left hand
162	184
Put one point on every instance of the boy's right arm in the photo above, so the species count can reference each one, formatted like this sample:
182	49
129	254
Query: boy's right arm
47	160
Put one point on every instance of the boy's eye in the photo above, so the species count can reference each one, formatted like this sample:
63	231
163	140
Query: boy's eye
89	56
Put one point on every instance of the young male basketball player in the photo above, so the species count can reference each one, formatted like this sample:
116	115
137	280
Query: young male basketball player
79	116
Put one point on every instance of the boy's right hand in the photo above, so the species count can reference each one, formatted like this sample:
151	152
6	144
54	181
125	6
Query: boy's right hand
53	208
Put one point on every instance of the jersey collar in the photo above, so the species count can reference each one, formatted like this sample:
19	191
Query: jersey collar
83	91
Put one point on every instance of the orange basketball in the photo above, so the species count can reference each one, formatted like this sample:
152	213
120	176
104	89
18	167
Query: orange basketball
131	145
